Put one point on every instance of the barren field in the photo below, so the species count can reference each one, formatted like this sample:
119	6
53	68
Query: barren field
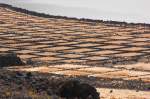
114	57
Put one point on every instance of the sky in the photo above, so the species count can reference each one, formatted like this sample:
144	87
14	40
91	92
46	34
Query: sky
136	11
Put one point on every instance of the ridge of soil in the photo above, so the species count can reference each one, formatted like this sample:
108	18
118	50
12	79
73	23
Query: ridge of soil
84	20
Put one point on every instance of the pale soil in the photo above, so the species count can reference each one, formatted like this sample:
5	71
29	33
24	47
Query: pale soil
123	94
78	70
138	66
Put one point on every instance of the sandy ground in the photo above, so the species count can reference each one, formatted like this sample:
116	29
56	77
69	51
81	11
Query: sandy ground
122	94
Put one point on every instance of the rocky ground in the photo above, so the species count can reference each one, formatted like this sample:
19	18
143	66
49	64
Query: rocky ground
17	84
54	81
36	85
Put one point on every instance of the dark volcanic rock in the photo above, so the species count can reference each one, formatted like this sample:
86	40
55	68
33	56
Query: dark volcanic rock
74	89
28	75
10	59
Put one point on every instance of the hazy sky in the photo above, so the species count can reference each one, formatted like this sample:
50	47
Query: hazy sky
119	10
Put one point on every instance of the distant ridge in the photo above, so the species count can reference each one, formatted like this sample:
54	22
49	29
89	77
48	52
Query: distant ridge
116	23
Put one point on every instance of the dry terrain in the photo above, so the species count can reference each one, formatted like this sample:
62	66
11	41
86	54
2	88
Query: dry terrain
114	57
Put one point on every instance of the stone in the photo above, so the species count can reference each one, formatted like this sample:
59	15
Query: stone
10	59
19	74
28	75
74	89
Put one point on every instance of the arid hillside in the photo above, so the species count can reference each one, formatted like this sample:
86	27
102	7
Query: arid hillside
112	56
